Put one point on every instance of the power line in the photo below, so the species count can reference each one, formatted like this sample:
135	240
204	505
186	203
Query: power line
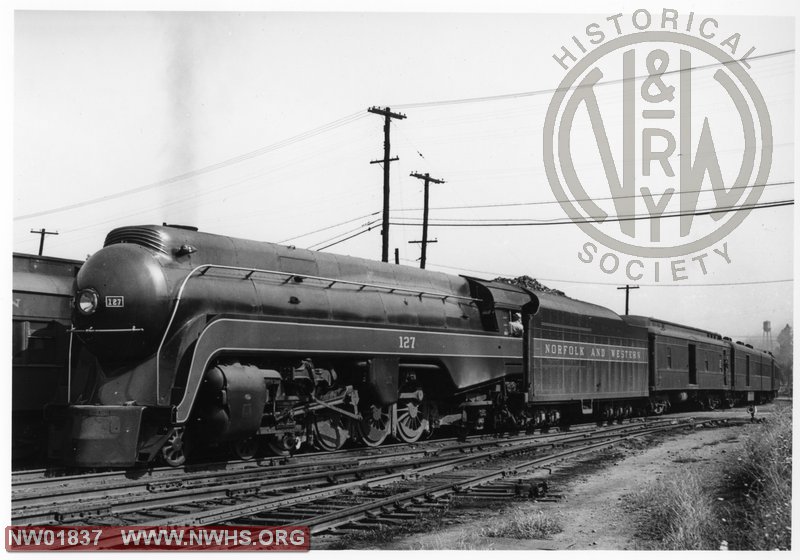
533	93
559	221
680	285
586	282
313	246
329	227
548	202
347	238
528	223
203	170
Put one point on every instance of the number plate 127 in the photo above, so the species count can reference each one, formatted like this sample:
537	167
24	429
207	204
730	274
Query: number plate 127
115	301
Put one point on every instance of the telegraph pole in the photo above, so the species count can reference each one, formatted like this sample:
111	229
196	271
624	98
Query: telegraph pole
42	232
388	116
428	179
627	289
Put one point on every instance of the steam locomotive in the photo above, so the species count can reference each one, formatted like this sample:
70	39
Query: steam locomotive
191	339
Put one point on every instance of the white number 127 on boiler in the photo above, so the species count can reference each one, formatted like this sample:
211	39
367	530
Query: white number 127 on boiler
407	341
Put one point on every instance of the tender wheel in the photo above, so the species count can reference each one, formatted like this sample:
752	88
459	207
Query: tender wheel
374	427
174	451
411	425
329	431
246	449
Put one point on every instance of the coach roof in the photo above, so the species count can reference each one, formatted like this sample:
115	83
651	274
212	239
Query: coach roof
667	328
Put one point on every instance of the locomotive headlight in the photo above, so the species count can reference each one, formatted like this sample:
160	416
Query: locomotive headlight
87	301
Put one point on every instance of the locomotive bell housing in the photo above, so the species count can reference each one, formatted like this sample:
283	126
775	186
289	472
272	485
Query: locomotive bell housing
123	296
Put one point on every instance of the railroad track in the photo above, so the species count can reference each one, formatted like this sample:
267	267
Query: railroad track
26	479
291	492
41	499
34	492
396	501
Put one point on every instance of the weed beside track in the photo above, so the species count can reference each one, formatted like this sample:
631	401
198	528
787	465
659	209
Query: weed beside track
744	505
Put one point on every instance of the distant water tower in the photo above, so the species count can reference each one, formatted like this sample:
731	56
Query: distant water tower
766	336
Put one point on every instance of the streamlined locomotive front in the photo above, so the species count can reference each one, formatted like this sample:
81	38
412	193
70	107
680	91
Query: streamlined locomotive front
122	302
121	309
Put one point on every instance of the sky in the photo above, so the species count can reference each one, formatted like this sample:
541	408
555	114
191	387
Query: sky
255	125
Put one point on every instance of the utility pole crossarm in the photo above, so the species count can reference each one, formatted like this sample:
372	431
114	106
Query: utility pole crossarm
387	112
42	232
395	158
627	288
428	178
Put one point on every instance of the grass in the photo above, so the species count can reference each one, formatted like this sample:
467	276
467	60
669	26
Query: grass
763	474
466	540
521	523
514	523
687	512
679	514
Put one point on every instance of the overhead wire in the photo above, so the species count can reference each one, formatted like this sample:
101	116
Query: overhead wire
370	228
357	115
330	227
527	222
586	282
560	221
548	202
532	93
313	246
203	170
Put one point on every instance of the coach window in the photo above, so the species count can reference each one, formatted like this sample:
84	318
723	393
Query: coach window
19	337
669	357
706	362
34	342
747	371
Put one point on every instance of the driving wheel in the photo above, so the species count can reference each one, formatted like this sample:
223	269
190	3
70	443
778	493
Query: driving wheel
374	426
